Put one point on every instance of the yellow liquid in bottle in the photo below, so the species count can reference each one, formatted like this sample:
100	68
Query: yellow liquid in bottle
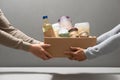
48	30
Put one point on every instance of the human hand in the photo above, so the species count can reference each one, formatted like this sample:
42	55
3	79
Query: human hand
39	50
76	53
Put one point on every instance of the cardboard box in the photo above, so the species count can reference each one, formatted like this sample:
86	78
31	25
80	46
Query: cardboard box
60	45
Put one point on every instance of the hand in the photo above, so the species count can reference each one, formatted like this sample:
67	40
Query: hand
39	50
76	53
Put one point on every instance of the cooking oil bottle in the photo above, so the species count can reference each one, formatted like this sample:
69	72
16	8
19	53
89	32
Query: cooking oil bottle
47	28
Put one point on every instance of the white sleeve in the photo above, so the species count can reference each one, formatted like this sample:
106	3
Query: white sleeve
107	46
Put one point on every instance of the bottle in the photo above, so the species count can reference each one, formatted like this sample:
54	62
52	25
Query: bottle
65	22
65	25
47	28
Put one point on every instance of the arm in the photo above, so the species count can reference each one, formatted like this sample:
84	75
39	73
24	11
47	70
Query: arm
11	37
36	49
10	41
6	26
108	34
107	46
106	43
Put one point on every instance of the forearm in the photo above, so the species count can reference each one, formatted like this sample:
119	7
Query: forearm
108	34
6	26
107	46
10	41
20	35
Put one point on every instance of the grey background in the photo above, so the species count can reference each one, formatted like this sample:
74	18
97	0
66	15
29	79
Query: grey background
26	15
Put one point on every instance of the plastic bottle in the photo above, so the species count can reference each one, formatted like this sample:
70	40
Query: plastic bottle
65	22
66	28
47	28
65	25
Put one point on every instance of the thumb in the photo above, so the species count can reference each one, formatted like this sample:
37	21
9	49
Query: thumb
45	45
74	48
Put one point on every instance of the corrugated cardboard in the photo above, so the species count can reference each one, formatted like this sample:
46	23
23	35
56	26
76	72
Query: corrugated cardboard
60	45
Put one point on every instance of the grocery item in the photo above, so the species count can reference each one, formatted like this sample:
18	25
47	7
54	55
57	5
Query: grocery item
83	29
47	28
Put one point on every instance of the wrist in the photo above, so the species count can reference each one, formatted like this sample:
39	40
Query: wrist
25	46
84	57
30	48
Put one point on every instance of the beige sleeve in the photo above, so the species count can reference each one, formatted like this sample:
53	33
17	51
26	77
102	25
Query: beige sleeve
6	26
10	41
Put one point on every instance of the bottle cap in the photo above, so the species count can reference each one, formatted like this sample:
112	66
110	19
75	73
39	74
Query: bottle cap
44	17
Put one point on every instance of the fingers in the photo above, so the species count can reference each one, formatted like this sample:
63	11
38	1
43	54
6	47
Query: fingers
45	45
46	54
44	51
39	51
42	56
70	54
74	48
76	55
39	54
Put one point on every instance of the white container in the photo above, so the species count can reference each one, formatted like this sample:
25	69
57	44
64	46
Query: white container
83	27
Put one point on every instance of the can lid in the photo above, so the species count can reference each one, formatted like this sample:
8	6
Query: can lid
44	17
